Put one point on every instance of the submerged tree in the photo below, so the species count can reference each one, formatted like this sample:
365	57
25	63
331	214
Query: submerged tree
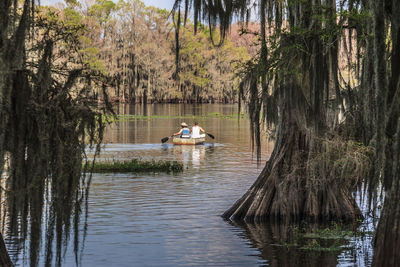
47	120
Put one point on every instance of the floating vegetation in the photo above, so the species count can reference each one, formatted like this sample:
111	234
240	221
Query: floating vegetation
318	246
330	239
121	117
135	165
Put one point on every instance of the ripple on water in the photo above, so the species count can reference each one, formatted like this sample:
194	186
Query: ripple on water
175	217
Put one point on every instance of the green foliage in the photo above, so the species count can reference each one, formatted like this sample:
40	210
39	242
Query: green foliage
90	58
192	67
102	10
72	17
71	24
73	3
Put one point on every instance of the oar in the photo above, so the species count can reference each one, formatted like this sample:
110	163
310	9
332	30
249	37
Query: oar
165	139
210	135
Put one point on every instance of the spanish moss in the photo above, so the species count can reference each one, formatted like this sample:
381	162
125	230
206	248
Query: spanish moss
47	123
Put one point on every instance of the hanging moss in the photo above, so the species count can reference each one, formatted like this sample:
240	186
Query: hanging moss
47	121
290	83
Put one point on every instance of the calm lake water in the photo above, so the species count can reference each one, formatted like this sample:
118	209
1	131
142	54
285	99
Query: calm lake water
174	219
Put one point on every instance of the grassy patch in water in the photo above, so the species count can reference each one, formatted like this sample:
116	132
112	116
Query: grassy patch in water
135	165
322	239
316	246
333	238
329	233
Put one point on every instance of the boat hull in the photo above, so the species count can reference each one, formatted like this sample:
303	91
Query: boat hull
188	141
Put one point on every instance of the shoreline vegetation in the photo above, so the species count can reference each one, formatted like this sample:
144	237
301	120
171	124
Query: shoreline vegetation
134	165
129	117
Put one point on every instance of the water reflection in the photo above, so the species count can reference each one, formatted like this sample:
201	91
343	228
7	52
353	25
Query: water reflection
193	156
310	244
281	245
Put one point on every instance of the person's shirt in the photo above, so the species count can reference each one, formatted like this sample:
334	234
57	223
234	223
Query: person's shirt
185	132
196	132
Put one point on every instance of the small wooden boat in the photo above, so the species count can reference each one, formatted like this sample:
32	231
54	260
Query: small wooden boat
188	141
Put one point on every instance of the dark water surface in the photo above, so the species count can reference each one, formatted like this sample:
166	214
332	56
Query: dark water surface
174	219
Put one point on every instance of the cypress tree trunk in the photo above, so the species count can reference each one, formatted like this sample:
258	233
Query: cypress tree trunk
285	190
4	257
387	238
380	85
392	99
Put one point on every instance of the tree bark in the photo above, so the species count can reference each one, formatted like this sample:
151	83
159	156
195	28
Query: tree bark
387	238
380	85
284	191
4	257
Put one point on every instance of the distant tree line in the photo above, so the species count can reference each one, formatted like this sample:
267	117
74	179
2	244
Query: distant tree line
135	46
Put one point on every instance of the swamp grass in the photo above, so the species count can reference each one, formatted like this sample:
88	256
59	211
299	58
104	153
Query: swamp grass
134	165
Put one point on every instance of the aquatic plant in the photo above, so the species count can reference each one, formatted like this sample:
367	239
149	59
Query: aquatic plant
134	165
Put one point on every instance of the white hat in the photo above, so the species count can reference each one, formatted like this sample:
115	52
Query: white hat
184	124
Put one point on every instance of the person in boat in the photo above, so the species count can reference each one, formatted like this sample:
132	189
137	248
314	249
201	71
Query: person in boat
196	129
184	131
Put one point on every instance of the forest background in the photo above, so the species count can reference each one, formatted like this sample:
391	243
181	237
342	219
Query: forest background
134	45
